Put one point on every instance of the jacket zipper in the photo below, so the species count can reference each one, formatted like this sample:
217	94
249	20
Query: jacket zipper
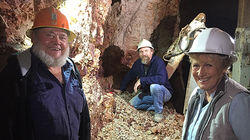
211	113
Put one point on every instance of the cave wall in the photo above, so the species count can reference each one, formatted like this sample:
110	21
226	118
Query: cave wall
15	19
111	30
98	26
17	16
123	24
129	21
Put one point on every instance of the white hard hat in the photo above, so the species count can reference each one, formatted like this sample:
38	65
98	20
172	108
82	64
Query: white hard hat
144	43
214	40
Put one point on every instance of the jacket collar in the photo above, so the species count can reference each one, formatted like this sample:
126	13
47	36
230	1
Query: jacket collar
221	85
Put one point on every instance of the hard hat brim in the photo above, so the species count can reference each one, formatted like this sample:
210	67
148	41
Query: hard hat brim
71	36
214	41
144	43
234	57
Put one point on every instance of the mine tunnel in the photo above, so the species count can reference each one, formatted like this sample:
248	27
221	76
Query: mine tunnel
163	36
104	50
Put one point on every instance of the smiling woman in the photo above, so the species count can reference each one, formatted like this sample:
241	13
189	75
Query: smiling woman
207	70
218	102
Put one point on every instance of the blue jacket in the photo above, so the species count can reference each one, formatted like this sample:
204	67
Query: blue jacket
38	107
156	74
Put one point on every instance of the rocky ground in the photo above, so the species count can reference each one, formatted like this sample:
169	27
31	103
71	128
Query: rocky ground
131	124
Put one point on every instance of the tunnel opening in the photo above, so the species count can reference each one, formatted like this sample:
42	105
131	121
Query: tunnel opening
113	62
163	36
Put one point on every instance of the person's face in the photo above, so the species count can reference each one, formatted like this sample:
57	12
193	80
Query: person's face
207	71
146	54
53	41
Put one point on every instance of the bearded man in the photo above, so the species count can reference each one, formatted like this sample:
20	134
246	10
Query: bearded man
43	98
152	86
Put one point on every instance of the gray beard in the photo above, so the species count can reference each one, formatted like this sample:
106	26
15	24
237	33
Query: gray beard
145	60
47	59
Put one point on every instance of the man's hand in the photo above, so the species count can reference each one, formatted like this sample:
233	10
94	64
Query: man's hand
136	86
117	91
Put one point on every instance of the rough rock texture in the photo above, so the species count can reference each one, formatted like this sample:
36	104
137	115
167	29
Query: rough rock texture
15	19
129	21
99	26
130	124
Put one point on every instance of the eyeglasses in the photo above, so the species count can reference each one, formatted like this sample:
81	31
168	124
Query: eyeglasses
62	36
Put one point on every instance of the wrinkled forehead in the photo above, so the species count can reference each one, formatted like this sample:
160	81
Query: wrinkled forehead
204	58
52	30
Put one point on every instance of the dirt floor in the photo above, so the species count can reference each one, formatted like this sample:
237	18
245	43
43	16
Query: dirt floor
132	124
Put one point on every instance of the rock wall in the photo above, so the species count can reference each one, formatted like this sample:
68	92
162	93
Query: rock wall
15	19
129	21
114	27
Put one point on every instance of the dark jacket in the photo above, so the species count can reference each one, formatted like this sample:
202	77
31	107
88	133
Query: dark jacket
156	74
21	109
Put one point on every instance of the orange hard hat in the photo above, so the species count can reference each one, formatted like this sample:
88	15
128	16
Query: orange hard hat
51	17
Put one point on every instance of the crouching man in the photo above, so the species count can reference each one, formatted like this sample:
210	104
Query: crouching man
152	86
